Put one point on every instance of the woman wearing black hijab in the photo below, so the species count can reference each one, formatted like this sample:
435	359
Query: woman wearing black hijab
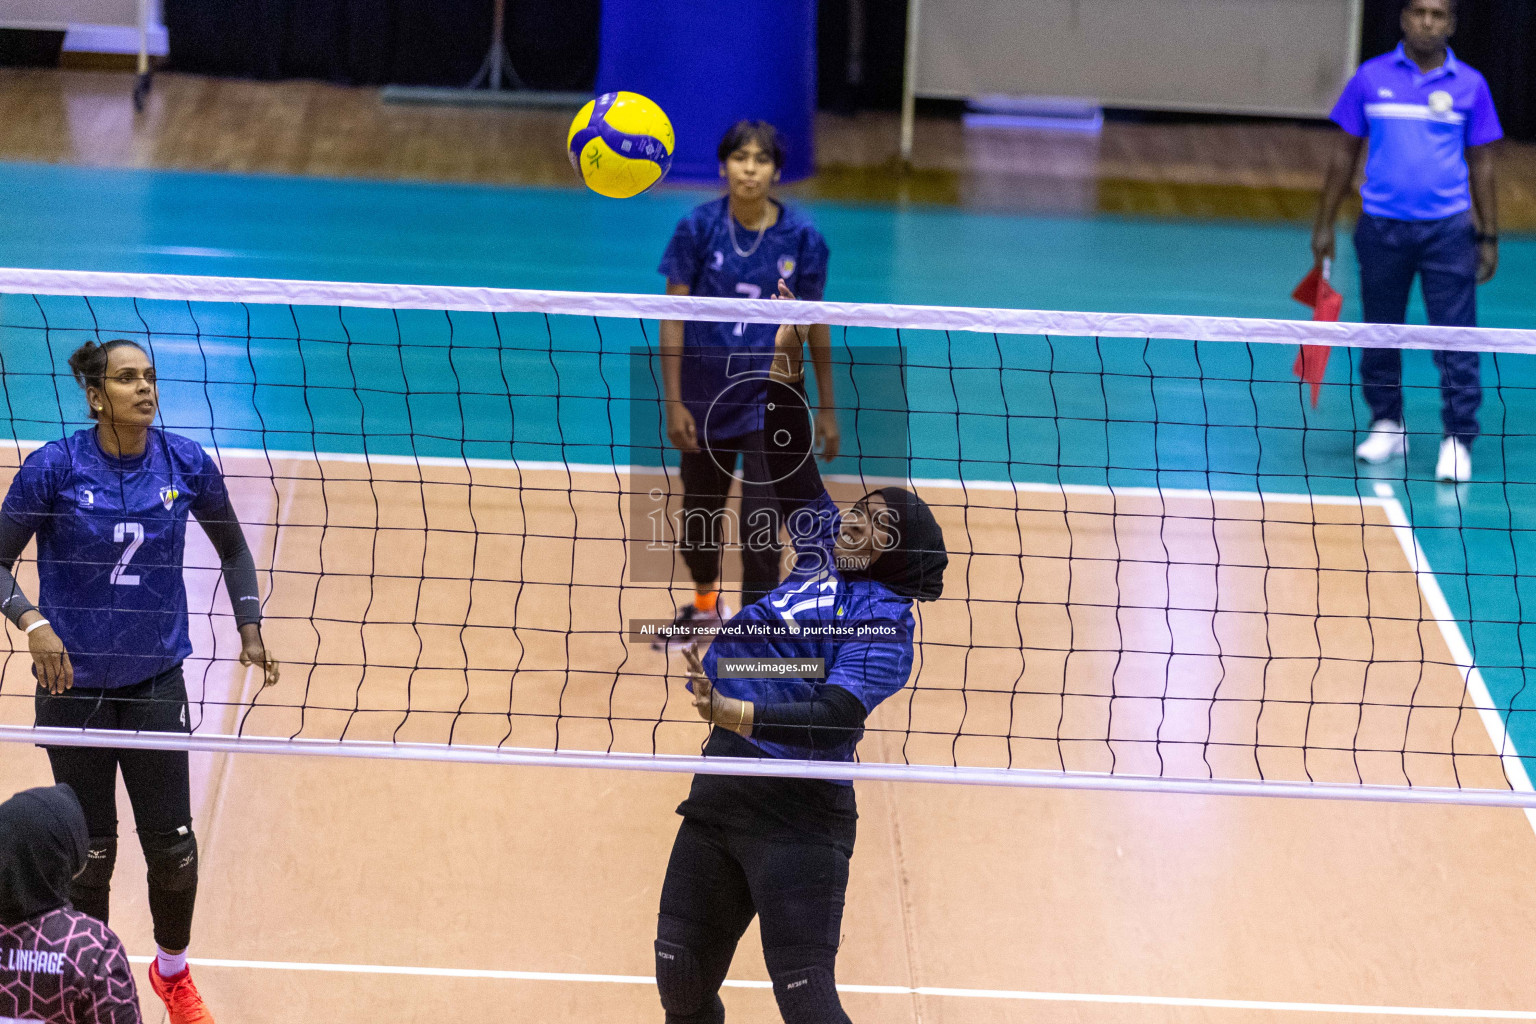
56	964
778	847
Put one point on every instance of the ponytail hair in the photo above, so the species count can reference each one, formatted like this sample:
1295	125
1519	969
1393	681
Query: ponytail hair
89	364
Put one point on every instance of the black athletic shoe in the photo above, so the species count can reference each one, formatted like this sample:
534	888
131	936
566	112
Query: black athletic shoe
695	620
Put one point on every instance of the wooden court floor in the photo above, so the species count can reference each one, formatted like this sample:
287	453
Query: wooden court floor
1111	617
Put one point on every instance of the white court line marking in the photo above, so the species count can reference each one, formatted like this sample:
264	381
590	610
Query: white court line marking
1461	653
617	469
222	453
879	990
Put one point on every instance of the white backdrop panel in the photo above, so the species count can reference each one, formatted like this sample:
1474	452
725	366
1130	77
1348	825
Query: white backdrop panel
60	14
1285	57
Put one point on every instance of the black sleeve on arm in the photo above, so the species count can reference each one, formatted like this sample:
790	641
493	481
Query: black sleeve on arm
223	529
791	466
13	540
830	720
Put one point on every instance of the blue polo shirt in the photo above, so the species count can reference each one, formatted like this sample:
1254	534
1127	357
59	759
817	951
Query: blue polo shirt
1419	125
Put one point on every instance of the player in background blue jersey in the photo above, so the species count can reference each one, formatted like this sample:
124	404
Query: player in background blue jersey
778	848
109	508
738	246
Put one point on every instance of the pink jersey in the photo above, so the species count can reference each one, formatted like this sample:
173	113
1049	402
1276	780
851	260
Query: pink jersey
64	967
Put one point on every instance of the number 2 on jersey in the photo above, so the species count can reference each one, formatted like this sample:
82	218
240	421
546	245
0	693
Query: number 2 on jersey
133	533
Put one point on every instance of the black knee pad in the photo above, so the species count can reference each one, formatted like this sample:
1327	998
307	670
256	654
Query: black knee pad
100	859
171	858
807	991
91	889
679	979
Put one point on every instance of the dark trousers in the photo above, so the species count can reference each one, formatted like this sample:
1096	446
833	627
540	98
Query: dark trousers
707	475
158	783
1443	253
717	880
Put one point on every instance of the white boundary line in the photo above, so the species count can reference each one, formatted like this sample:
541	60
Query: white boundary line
1461	653
263	291
882	990
619	469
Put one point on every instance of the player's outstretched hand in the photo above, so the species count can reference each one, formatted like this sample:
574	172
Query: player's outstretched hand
703	692
714	708
54	672
254	652
788	346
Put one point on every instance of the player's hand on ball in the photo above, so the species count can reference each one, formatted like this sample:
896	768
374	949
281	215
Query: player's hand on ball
789	346
254	652
54	671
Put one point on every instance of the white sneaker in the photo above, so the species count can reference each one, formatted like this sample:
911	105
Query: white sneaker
1455	463
1385	441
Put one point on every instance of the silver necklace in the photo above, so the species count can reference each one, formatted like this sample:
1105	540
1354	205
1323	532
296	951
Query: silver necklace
730	223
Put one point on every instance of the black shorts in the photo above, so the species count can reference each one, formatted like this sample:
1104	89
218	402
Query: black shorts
158	704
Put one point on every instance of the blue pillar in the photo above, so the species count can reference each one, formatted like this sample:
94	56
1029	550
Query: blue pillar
710	63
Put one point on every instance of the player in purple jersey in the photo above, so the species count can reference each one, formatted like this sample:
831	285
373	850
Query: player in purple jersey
56	964
109	507
778	848
737	246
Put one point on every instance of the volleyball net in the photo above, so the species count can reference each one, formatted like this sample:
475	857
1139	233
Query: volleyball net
1167	571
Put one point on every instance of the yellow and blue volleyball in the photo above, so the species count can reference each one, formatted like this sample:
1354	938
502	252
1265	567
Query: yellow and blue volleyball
621	144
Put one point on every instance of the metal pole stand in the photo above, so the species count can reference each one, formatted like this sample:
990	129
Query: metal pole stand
141	81
496	82
497	65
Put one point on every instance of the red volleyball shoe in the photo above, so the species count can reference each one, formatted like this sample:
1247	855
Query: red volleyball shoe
180	996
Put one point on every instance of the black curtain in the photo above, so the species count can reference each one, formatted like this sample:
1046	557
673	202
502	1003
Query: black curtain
861	50
1497	37
553	43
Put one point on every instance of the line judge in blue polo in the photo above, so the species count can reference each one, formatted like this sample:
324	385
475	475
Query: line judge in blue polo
1428	209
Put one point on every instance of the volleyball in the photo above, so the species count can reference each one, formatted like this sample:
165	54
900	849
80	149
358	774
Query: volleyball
621	144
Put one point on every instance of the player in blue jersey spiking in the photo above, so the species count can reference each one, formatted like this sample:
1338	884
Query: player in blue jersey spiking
778	848
738	246
109	508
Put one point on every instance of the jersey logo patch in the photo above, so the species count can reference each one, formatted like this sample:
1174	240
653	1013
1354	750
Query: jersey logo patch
1440	101
786	265
168	496
87	499
1384	93
717	260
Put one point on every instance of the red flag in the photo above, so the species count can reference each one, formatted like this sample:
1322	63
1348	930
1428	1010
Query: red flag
1315	291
